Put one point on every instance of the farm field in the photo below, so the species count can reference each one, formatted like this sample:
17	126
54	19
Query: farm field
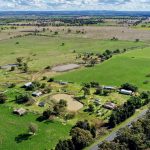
122	55
12	126
132	67
41	52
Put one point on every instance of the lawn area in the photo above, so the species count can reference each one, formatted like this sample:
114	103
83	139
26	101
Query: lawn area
130	67
45	51
12	126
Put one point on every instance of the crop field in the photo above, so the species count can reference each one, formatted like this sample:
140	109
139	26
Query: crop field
14	129
132	67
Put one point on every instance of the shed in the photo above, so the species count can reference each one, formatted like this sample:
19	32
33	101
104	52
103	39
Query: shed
42	104
63	83
126	92
28	84
109	88
20	111
37	94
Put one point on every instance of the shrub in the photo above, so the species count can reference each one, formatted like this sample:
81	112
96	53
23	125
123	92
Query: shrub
51	80
44	78
3	98
12	85
70	116
33	128
12	68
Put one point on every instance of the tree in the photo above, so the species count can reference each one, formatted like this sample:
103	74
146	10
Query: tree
19	60
93	61
91	108
3	98
81	138
128	86
33	128
23	98
85	90
65	145
47	113
63	103
12	68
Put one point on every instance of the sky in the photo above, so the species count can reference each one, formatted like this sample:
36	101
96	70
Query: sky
51	5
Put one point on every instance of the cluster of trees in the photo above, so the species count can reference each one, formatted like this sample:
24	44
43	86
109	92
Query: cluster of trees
130	87
24	99
89	59
128	109
72	21
57	110
82	134
137	137
23	66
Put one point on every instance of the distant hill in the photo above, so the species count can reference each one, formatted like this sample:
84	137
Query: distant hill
76	13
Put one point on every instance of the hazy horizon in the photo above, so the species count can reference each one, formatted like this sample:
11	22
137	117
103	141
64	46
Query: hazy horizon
74	5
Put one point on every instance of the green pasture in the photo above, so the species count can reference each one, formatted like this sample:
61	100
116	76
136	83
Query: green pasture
43	51
132	67
13	129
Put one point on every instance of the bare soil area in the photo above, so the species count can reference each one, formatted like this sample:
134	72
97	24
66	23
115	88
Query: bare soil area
64	68
72	104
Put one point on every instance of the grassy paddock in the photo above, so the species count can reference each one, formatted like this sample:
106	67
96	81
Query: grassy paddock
44	51
131	67
12	126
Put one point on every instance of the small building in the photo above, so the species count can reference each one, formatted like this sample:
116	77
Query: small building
37	94
42	104
63	83
20	111
126	92
111	88
110	105
28	84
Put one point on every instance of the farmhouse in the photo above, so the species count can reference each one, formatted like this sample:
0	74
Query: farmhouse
37	94
110	105
19	111
126	92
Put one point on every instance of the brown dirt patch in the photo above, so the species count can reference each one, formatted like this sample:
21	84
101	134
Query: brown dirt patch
73	105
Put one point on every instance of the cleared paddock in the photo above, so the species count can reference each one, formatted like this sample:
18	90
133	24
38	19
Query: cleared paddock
72	104
64	68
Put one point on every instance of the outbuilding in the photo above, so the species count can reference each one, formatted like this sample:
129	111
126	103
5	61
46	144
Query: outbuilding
111	88
126	92
28	84
42	104
20	111
37	94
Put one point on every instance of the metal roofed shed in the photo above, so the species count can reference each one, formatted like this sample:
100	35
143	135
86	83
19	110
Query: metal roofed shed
37	94
126	92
